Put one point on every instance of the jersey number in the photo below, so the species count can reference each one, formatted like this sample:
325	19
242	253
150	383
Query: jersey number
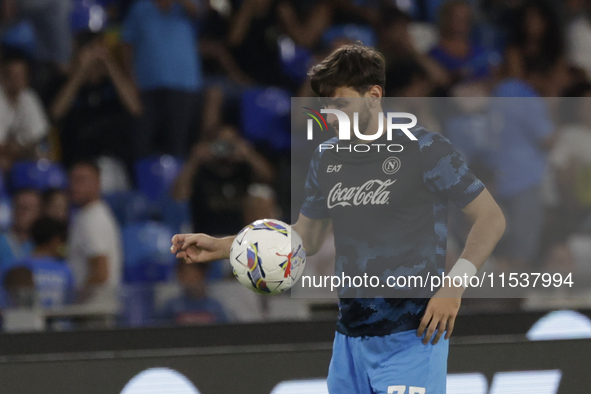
402	390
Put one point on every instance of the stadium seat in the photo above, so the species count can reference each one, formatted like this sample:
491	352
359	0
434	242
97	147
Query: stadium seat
265	117
175	214
138	305
40	175
146	248
155	175
129	207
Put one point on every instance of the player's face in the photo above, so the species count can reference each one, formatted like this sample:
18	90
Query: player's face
350	101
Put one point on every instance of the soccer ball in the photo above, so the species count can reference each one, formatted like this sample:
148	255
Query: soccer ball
268	256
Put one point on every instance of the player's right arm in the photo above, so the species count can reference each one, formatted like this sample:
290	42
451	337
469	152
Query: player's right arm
203	248
313	226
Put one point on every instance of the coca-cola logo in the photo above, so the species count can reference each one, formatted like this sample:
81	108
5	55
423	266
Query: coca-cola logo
365	194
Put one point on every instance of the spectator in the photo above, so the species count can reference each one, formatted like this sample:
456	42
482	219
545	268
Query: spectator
23	123
409	80
94	241
96	104
464	60
19	288
305	21
53	38
356	12
51	275
537	38
397	45
579	39
17	244
570	160
193	306
517	156
56	205
219	178
161	43
252	38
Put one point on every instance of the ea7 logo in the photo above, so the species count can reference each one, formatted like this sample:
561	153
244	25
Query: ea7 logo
334	168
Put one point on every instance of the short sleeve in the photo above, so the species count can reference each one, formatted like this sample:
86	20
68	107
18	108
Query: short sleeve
97	236
314	205
32	124
445	172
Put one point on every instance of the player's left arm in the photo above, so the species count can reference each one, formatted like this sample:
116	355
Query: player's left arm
488	225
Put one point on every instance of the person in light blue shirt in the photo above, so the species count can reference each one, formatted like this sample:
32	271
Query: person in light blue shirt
462	58
161	42
193	306
16	243
52	278
519	140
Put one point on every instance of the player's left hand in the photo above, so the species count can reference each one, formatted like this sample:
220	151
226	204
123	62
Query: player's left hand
441	314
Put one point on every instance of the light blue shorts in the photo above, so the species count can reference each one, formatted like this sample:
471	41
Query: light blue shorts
397	363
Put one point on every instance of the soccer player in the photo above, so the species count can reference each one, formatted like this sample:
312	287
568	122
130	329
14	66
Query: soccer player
384	345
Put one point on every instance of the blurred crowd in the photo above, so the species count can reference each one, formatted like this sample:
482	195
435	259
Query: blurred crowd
123	122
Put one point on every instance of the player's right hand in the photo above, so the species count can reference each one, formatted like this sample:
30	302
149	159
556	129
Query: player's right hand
199	248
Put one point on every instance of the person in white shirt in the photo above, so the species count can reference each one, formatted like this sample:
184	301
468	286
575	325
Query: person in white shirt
568	189
23	121
95	254
578	37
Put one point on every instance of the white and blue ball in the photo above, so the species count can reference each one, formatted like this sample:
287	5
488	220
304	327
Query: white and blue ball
268	256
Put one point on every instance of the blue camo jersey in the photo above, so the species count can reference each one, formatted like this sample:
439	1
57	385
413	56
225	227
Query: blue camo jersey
389	215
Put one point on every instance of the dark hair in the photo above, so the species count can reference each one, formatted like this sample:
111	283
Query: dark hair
355	66
578	90
12	54
87	163
552	42
46	229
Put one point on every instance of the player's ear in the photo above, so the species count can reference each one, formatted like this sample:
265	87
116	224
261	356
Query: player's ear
374	94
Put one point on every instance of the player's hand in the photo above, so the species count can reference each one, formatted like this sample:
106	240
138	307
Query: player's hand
200	248
441	314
